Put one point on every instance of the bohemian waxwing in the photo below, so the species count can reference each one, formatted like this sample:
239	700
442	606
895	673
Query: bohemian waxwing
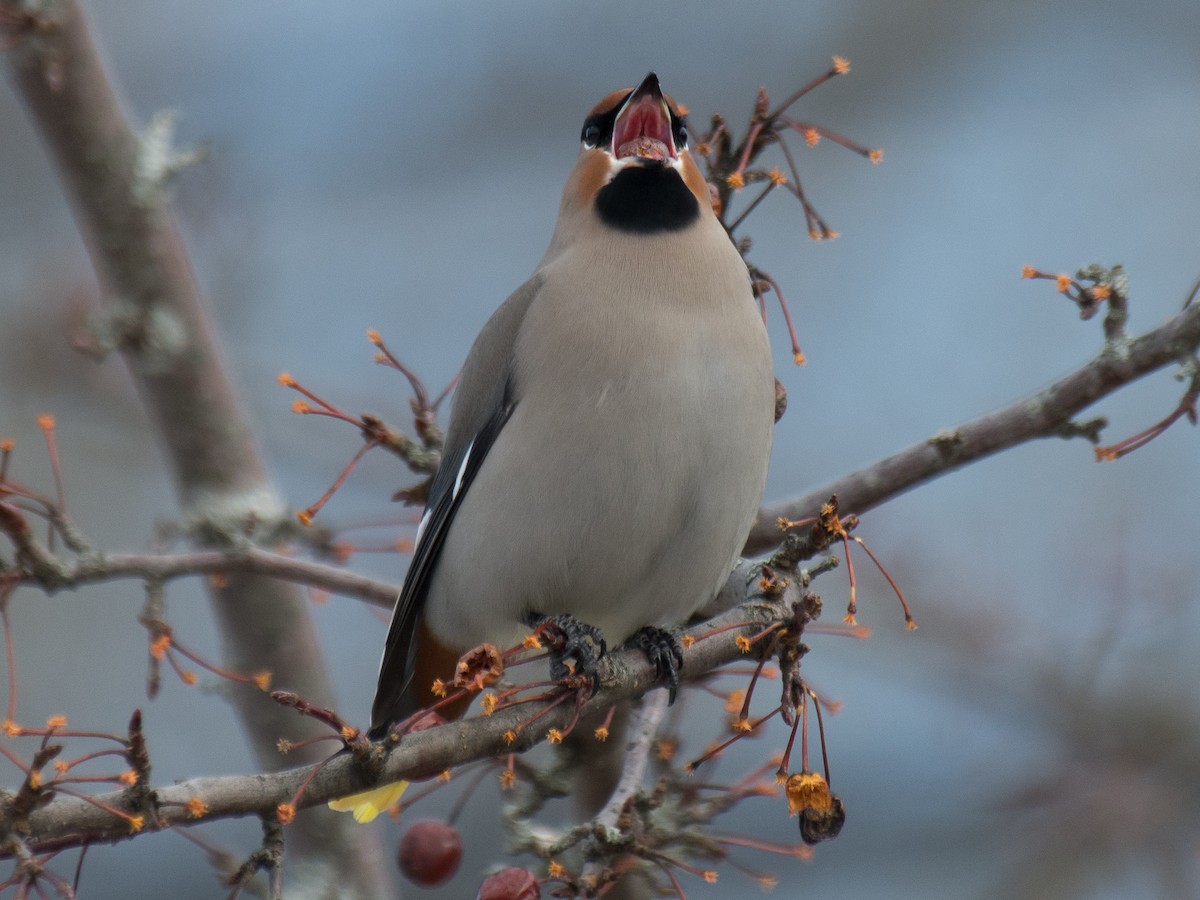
608	443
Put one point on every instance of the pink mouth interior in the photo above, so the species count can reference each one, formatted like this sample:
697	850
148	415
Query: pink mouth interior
644	130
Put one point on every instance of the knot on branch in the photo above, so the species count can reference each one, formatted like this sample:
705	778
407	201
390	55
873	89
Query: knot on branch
948	442
158	159
154	333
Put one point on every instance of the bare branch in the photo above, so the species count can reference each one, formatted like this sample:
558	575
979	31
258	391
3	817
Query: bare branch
70	821
153	314
1048	413
644	732
254	560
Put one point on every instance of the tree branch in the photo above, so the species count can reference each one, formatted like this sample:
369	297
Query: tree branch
254	560
1048	413
152	312
70	821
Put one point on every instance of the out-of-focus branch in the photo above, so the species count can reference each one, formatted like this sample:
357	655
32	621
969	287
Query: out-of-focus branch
69	821
1048	413
153	314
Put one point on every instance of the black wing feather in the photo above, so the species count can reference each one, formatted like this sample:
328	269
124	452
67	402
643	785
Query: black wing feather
392	700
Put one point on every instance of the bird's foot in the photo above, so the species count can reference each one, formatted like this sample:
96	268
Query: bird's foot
664	652
576	648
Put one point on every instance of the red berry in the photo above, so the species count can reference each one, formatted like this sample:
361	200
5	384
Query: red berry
429	853
510	884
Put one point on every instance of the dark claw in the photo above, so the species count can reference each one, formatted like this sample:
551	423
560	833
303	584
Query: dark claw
663	651
569	639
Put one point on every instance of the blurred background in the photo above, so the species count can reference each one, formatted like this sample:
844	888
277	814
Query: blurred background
397	166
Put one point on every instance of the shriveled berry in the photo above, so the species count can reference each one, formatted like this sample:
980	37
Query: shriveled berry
510	884
429	853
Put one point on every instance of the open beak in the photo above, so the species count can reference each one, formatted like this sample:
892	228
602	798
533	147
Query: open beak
643	125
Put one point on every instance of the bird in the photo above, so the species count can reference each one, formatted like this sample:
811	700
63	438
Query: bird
607	448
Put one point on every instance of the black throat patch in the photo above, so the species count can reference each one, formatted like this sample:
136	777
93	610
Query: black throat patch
646	199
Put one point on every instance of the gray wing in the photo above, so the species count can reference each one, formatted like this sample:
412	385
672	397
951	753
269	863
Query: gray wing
483	404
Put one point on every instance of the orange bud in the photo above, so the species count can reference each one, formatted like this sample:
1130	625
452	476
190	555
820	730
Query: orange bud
733	703
158	646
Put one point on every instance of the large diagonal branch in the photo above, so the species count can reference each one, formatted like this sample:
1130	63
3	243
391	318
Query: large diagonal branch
152	312
72	821
1047	413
